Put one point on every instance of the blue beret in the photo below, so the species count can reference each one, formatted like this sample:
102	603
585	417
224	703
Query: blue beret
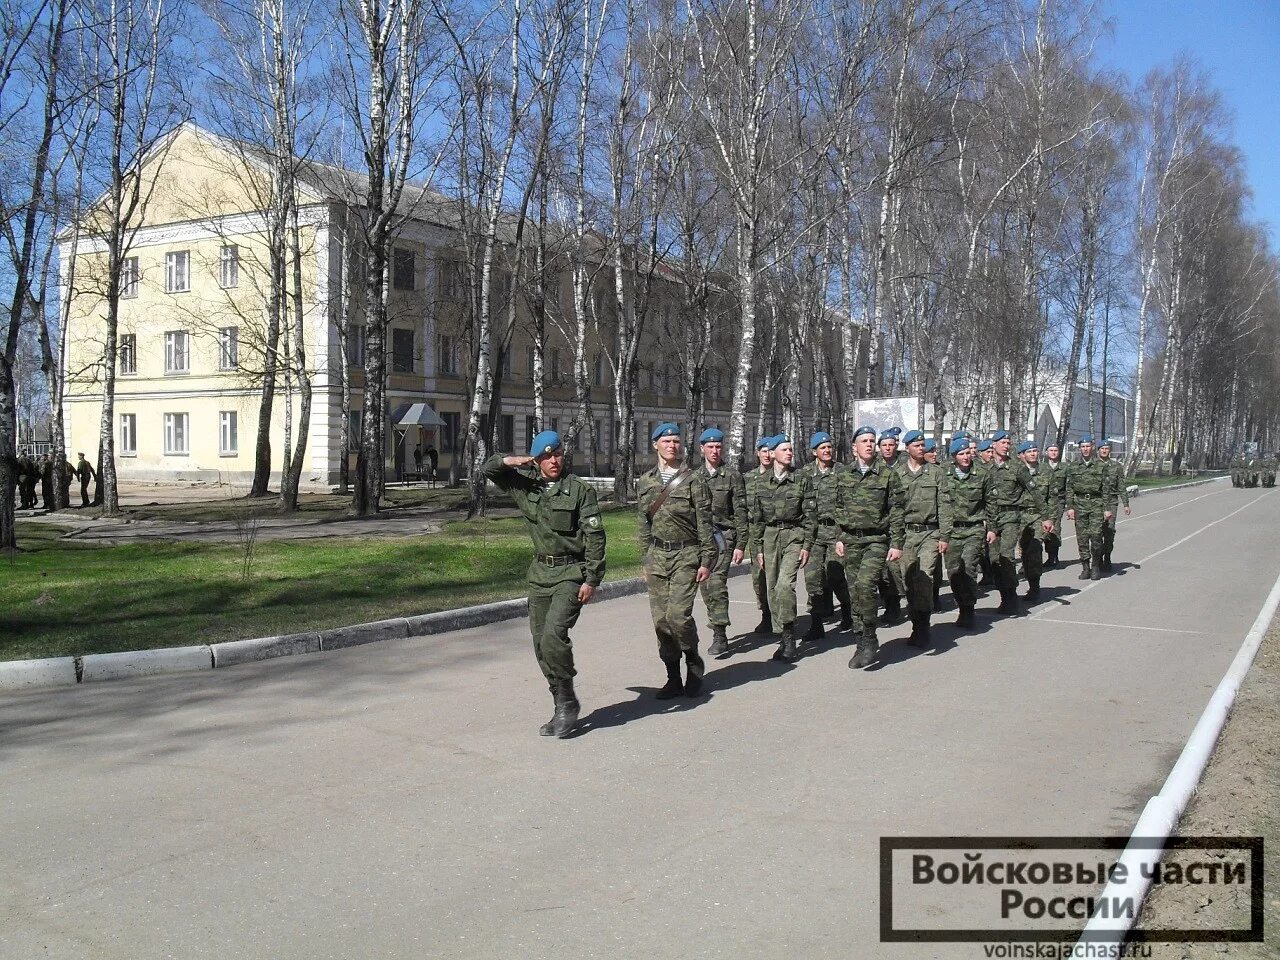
911	437
711	435
1026	445
1105	442
1084	440
779	439
547	441
890	433
863	430
930	444
763	443
664	430
818	439
1000	435
984	445
958	444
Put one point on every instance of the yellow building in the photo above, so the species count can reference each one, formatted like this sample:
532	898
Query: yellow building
191	350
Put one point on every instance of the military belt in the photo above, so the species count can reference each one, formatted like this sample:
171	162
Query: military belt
827	521
868	532
918	527
672	545
966	524
1088	496
560	561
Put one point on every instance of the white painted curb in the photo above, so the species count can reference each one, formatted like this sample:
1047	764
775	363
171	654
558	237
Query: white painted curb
1163	811
28	674
142	663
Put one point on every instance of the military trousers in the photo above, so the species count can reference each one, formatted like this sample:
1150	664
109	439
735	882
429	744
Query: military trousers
553	610
824	575
760	584
864	568
1012	528
781	565
964	563
1032	548
919	565
1109	534
1089	523
715	589
672	577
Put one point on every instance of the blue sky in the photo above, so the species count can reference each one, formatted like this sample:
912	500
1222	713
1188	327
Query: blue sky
1238	43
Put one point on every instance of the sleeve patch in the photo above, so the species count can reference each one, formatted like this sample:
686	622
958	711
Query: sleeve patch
593	522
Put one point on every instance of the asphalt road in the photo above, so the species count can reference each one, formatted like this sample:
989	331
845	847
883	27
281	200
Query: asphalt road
395	800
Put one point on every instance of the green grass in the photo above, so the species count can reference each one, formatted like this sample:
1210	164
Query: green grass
310	506
65	598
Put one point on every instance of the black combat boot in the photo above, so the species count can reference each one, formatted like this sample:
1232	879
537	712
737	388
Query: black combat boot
1053	557
919	630
816	630
846	618
1033	589
786	651
1096	572
674	685
892	613
695	669
766	623
548	728
719	642
868	649
1106	562
965	621
1009	602
567	708
1084	570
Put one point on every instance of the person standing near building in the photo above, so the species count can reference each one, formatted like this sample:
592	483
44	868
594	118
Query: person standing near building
1087	483
784	523
1117	494
678	550
729	517
967	486
926	515
562	516
46	484
84	473
417	460
433	461
824	573
759	583
1054	473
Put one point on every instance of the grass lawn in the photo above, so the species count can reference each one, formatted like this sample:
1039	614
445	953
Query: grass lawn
311	506
60	598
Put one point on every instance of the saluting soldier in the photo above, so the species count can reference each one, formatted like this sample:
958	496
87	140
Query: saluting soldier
1087	481
784	523
1117	494
759	583
729	516
1038	520
869	513
678	549
824	574
562	515
967	486
1054	472
1013	503
926	514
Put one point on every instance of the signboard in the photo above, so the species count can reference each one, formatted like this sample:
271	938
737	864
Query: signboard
882	412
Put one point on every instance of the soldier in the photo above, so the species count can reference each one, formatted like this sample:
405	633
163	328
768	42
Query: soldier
764	466
46	483
729	516
824	573
28	477
563	518
1054	472
869	512
1086	504
678	550
984	456
926	515
784	523
1038	519
1013	504
1117	493
967	487
84	473
931	451
892	587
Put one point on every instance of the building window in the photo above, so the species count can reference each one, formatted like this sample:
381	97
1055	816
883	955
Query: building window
128	434
452	428
128	353
129	276
404	266
530	430
229	267
555	364
228	348
504	369
447	356
528	362
175	434
506	432
402	351
597	370
451	280
355	345
228	433
177	271
354	423
177	355
599	434
501	288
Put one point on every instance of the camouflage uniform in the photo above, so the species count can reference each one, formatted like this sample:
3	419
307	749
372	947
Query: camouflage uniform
1117	493
824	573
869	514
969	518
1016	508
892	587
729	517
1055	479
784	522
926	514
759	583
1087	484
674	543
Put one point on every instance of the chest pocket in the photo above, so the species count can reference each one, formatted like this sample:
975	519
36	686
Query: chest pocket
563	518
720	500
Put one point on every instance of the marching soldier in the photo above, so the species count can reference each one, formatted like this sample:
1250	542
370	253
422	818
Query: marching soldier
984	455
729	516
1117	494
1013	502
1038	520
824	573
678	549
869	513
967	487
892	588
926	514
764	466
563	518
784	523
1087	482
46	484
84	473
1054	472
931	451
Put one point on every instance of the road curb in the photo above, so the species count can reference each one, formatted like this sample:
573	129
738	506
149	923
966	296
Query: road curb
68	671
1144	491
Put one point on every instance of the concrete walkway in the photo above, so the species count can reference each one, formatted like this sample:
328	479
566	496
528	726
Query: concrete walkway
395	800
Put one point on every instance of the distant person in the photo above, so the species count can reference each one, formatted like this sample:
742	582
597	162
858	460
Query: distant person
68	472
29	476
46	483
84	473
417	460
433	458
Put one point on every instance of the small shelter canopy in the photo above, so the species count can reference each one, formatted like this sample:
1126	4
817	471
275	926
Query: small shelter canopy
420	415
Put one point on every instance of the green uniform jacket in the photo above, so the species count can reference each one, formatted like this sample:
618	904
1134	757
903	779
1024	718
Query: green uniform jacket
563	518
1013	491
1056	481
1117	490
685	516
824	491
728	502
870	501
1042	502
924	499
968	496
1088	481
786	501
